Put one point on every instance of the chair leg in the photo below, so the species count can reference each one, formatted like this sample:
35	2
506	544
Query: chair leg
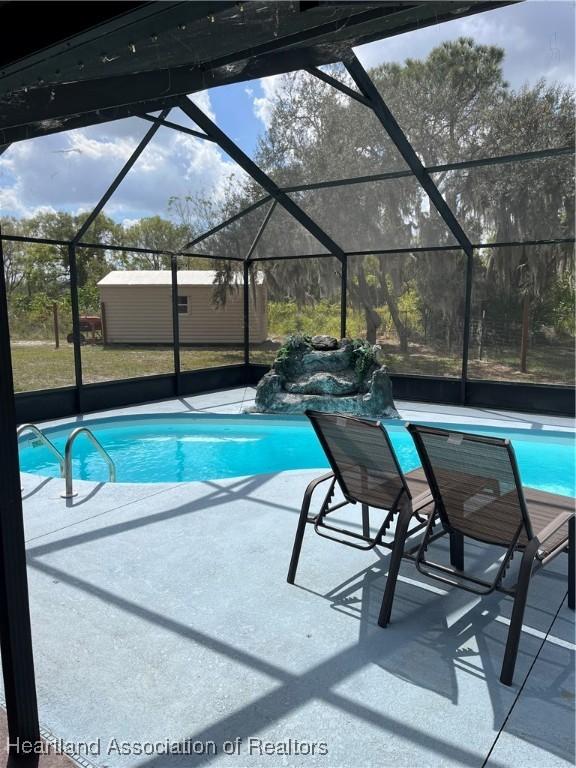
395	562
457	551
571	562
366	521
525	573
302	520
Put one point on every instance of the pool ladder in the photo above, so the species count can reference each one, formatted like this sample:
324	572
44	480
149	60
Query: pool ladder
65	461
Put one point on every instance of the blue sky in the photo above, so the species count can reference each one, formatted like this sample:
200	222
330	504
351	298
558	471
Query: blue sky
234	109
70	171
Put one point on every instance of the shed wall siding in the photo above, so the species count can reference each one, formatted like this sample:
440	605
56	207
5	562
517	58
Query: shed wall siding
143	314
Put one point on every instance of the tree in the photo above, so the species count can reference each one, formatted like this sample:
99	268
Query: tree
525	200
453	105
14	254
157	234
92	263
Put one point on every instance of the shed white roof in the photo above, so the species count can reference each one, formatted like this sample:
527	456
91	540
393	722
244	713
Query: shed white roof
164	277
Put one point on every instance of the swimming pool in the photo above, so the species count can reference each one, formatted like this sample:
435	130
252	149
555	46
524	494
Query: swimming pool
187	447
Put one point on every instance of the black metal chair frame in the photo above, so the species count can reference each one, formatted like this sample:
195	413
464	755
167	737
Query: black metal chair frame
531	562
345	536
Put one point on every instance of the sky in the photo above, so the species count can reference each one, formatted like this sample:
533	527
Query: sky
71	171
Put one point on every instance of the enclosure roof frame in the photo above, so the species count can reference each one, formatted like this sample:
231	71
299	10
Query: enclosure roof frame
151	57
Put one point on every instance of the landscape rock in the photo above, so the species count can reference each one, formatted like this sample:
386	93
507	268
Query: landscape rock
332	360
339	383
324	342
269	388
379	396
327	374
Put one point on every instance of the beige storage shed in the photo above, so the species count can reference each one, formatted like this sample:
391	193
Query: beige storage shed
137	309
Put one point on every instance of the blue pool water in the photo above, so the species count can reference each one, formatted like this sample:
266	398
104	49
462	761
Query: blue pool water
186	447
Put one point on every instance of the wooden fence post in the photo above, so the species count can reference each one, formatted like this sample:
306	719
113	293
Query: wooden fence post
56	326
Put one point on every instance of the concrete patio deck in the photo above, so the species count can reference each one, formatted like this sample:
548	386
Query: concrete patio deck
161	613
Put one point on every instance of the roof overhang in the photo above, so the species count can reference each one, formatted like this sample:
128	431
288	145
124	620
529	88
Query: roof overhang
150	56
187	278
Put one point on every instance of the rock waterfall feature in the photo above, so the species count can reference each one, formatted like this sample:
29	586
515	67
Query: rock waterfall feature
327	374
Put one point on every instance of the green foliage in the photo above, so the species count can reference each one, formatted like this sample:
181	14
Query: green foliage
32	317
410	308
89	299
37	275
289	353
363	358
286	317
323	316
297	342
157	234
558	309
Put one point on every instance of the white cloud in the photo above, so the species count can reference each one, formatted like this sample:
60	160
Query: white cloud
127	223
275	86
71	171
270	86
537	37
202	100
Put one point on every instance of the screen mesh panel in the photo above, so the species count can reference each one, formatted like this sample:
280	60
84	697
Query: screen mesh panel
234	239
522	322
37	287
413	306
492	84
298	296
316	133
210	313
285	236
51	182
529	200
377	215
156	185
130	294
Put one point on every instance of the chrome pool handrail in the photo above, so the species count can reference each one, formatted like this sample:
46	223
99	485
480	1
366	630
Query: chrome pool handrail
69	492
23	428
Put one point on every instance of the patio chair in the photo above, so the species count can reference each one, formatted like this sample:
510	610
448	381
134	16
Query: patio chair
365	468
476	486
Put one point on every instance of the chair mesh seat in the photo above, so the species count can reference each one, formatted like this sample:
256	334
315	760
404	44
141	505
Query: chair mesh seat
362	458
478	484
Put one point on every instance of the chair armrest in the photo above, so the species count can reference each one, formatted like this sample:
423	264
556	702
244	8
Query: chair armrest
422	500
553	526
317	480
311	487
313	484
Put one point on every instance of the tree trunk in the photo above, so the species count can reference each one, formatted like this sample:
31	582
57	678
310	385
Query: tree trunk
525	329
373	320
395	315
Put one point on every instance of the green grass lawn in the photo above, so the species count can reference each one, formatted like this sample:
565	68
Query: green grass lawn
40	366
37	365
546	364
